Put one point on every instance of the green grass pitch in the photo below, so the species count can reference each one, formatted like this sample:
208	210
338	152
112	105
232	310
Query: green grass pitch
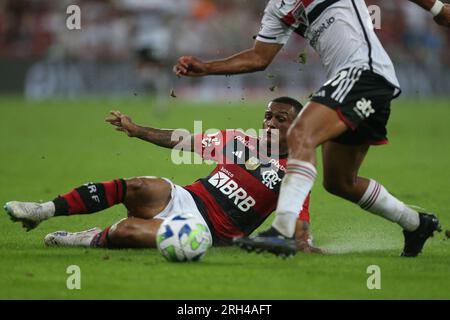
49	147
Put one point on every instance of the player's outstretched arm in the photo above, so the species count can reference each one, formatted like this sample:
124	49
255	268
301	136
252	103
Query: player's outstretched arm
160	137
251	60
440	10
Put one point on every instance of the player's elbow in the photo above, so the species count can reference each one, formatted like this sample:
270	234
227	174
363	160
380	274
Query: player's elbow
262	54
261	64
258	61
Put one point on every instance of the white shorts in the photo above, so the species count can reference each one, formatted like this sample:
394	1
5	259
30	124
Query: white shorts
181	201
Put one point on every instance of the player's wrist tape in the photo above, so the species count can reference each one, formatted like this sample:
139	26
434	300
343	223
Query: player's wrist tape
437	8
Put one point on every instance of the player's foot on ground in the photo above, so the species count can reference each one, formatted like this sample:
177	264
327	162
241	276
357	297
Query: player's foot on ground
30	214
307	245
415	240
68	239
268	241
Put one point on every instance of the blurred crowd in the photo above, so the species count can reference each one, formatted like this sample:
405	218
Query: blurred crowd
155	32
118	29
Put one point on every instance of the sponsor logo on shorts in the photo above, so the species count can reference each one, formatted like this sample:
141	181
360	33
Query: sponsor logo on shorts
232	190
364	108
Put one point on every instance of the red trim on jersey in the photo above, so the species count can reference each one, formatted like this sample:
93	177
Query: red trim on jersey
306	3
289	19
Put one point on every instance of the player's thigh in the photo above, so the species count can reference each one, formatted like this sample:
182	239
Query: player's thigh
341	164
135	233
147	196
316	124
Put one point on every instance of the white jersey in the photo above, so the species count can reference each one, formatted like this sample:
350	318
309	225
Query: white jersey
341	32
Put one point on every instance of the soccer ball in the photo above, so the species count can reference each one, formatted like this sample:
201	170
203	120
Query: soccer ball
183	237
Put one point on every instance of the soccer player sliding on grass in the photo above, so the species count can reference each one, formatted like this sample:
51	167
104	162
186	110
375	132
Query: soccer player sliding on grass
233	200
346	116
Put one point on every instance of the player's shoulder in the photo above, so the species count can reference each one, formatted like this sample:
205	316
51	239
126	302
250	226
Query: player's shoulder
241	135
224	136
275	6
282	6
237	132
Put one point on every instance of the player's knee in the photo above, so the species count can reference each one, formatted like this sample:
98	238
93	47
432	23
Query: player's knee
124	230
331	186
338	187
137	186
134	184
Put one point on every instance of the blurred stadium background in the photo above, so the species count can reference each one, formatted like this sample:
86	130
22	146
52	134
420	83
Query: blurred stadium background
129	46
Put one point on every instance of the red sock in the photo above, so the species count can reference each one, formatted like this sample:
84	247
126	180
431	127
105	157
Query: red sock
90	198
101	240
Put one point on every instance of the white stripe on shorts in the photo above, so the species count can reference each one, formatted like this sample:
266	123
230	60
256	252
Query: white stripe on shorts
347	84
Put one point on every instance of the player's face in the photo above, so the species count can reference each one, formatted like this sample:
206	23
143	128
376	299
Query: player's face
277	120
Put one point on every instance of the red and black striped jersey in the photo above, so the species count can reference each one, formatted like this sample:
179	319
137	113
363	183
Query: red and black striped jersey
242	190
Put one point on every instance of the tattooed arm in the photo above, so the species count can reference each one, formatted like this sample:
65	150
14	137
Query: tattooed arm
166	138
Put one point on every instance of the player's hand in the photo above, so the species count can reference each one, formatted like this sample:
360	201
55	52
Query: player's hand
189	66
443	18
123	123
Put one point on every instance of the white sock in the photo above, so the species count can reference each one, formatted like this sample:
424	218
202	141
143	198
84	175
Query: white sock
296	185
47	209
379	201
